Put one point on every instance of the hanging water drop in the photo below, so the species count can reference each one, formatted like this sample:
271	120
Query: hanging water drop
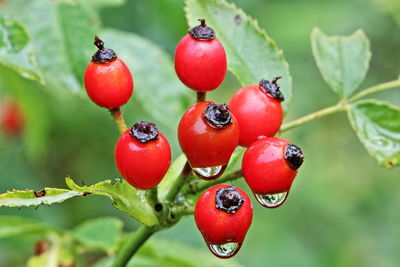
226	250
273	200
210	173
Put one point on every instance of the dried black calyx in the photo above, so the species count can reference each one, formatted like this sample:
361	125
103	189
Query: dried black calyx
272	88
144	131
103	55
202	31
218	115
294	156
228	199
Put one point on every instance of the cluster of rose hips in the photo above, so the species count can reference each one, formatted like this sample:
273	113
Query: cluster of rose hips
208	134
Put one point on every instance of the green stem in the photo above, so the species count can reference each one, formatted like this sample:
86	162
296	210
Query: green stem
376	88
184	210
132	245
341	106
180	181
119	120
199	186
315	115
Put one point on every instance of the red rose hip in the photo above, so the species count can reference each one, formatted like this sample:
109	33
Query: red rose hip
258	110
11	118
208	134
108	81
200	59
143	155
269	167
223	215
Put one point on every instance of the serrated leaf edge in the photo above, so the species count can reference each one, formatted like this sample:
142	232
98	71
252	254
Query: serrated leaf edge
361	32
374	101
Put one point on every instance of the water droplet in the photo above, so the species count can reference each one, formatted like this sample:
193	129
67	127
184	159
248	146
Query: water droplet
273	200
210	173
226	250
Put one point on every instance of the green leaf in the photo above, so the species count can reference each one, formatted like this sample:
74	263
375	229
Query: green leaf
39	261
252	54
125	198
17	226
16	51
160	93
104	3
62	38
30	95
342	60
377	125
100	233
392	7
28	198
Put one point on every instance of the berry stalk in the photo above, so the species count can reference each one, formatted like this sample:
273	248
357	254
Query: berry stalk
201	96
119	120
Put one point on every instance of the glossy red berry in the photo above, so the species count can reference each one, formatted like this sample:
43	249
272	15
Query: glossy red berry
258	110
269	167
208	134
108	81
200	59
143	155
223	215
11	118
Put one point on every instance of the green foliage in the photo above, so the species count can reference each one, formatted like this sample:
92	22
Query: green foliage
252	54
28	198
342	60
159	252
377	125
17	226
52	50
125	198
16	51
100	233
56	36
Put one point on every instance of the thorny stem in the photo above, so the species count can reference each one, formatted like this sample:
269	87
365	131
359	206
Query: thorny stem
144	232
133	244
119	120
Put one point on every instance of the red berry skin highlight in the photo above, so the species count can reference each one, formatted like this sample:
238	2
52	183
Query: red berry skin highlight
143	165
11	118
109	85
258	113
200	64
203	145
217	226
265	168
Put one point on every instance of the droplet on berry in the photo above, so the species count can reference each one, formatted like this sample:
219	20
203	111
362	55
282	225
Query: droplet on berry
271	200
226	250
209	173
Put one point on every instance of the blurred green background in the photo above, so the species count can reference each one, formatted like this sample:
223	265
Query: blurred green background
343	209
